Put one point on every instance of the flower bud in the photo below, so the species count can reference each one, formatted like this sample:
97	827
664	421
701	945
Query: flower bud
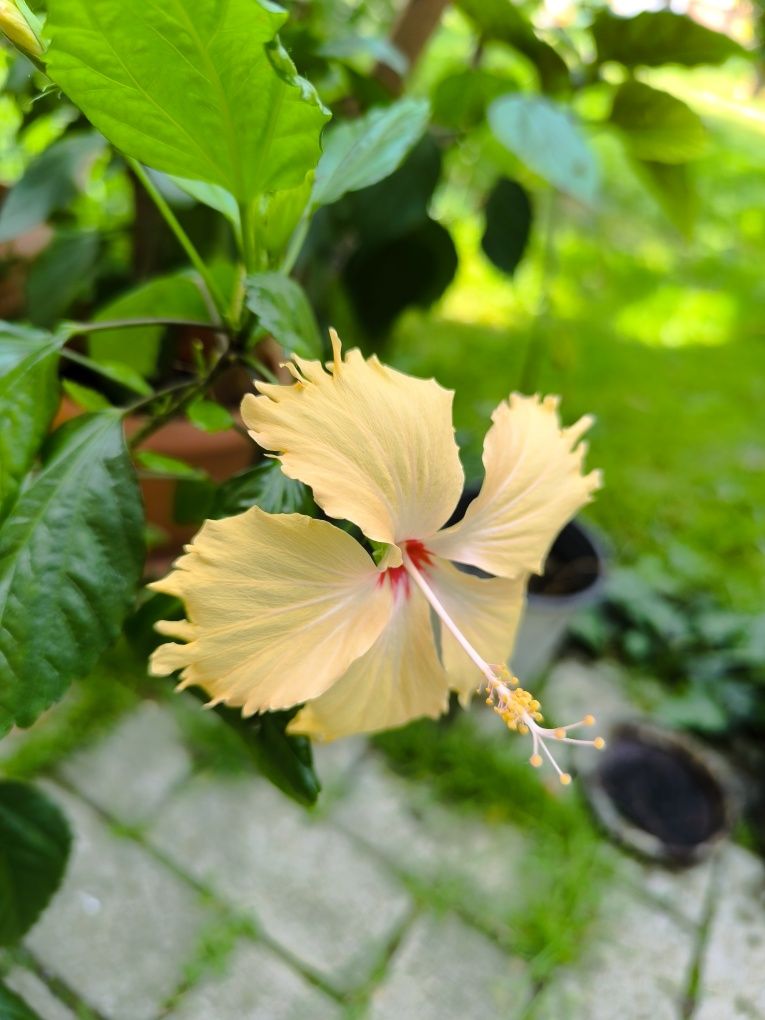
15	27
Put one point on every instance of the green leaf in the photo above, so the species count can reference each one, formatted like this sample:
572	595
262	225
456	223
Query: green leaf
508	224
194	88
166	466
84	396
675	191
266	486
70	558
377	47
656	126
545	137
362	152
34	846
397	205
49	183
280	214
125	376
176	296
412	270
64	272
213	196
14	1008
283	309
460	100
503	21
209	416
28	400
653	38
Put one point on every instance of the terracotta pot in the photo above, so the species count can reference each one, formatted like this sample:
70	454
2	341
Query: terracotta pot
220	454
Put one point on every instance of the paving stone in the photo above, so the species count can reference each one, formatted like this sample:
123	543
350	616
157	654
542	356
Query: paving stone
257	985
121	927
37	995
336	763
682	892
732	985
575	689
313	890
130	772
636	965
444	970
442	848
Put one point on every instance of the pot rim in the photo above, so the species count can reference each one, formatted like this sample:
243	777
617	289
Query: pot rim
641	842
539	600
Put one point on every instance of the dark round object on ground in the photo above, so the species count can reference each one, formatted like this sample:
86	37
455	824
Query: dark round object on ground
656	794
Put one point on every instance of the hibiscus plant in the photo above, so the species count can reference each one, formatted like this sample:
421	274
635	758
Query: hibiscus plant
326	594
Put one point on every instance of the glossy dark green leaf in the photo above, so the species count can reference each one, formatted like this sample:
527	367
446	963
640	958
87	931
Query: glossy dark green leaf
64	272
50	182
283	309
412	270
28	400
195	88
361	152
34	846
460	100
71	553
14	1008
545	136
653	38
266	486
508	217
504	21
177	296
656	126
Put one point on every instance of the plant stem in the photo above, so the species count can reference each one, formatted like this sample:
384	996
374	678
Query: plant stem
77	328
249	253
260	367
295	246
181	236
532	360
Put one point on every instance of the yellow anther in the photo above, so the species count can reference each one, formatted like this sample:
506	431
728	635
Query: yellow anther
560	733
589	720
523	730
565	778
598	743
536	760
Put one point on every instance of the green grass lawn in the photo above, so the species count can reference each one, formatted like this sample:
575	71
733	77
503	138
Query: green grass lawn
661	338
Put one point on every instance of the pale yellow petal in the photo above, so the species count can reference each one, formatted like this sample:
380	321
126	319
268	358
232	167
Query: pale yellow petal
534	484
375	445
486	610
278	606
399	679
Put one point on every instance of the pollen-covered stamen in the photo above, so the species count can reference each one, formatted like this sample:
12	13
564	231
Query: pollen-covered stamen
518	708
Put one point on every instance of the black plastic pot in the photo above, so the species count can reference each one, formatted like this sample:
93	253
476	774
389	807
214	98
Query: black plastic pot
661	794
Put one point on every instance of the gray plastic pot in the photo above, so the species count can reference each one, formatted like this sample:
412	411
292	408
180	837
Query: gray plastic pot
573	579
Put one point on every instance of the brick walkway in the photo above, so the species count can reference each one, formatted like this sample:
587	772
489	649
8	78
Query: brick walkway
209	897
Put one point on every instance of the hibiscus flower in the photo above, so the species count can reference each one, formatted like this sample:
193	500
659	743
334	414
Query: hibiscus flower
285	610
